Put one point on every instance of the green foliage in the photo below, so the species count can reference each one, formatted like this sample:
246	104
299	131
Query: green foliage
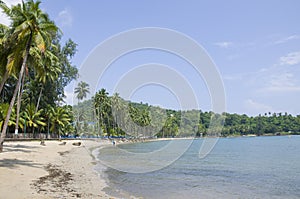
3	112
61	118
33	119
81	90
30	48
113	116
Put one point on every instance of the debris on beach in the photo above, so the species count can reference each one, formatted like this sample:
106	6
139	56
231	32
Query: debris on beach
43	143
63	143
76	143
57	181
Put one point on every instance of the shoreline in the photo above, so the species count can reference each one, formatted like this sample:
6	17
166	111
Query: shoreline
55	170
30	170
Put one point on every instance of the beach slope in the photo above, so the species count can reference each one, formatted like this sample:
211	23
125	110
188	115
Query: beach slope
30	170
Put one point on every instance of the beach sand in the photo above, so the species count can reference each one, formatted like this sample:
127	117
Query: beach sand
30	170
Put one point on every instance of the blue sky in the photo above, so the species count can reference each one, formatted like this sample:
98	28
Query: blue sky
254	44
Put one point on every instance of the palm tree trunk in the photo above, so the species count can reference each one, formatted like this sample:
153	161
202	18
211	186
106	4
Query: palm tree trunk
19	104
4	78
38	102
3	133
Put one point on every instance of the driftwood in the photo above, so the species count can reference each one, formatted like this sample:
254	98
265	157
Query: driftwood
63	143
76	143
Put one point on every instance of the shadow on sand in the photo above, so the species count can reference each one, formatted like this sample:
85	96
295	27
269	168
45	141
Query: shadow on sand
19	148
14	163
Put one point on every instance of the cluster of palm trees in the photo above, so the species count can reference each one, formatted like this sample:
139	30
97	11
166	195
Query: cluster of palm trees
108	116
32	61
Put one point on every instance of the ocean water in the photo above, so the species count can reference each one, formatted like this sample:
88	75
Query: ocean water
244	167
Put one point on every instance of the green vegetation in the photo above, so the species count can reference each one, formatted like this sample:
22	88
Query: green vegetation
106	115
32	60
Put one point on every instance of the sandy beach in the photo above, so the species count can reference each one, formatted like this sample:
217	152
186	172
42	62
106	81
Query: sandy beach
30	170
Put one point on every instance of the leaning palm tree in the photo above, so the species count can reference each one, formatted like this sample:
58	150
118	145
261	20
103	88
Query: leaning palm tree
30	27
82	90
3	56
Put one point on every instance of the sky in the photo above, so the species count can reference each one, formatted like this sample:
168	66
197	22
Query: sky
255	46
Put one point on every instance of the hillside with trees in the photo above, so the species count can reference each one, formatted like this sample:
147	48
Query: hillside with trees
105	115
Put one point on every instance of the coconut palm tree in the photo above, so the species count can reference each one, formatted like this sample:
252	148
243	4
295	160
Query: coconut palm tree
3	56
30	27
116	110
102	105
34	119
3	112
47	70
60	118
81	90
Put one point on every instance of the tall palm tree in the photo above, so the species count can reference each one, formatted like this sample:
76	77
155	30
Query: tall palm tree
3	56
82	90
116	110
30	27
47	70
102	104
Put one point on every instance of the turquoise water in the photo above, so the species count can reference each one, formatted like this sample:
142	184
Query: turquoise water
245	167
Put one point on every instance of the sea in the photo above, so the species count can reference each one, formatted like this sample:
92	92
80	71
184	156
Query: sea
239	167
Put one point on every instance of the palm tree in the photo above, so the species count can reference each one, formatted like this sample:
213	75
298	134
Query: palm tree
102	104
3	113
30	27
3	56
47	70
82	90
116	110
34	119
60	118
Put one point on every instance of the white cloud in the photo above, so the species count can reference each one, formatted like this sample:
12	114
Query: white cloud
284	79
65	18
224	44
3	18
287	39
257	107
290	59
279	81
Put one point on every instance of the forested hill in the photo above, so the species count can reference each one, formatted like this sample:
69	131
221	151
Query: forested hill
106	115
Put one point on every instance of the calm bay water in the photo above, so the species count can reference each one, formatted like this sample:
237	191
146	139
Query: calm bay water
245	167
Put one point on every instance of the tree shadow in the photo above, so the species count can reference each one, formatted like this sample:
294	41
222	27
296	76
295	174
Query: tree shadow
14	163
22	146
19	148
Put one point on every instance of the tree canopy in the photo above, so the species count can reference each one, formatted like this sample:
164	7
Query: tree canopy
33	60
